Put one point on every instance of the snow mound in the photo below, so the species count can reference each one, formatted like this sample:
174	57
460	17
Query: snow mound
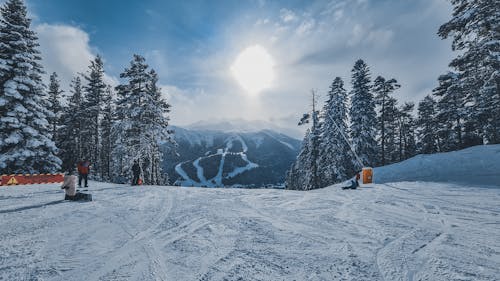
478	165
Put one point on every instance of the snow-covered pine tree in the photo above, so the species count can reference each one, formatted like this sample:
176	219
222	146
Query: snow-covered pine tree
336	159
488	107
55	94
142	122
157	112
427	126
304	174
387	117
299	175
362	115
70	136
106	127
450	112
26	145
406	131
119	166
475	29
391	131
91	112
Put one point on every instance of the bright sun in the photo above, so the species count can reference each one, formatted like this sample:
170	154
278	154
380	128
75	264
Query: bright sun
253	69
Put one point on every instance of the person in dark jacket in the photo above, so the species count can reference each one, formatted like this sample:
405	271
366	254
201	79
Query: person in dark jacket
136	171
83	172
353	183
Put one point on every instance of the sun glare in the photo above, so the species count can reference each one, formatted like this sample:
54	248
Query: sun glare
253	69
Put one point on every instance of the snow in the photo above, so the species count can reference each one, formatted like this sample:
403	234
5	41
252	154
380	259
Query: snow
271	135
244	126
399	230
216	181
474	165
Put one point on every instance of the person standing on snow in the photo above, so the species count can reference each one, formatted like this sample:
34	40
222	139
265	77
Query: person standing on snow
136	171
83	172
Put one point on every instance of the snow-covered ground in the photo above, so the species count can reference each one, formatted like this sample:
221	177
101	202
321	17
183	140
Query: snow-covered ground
473	165
399	230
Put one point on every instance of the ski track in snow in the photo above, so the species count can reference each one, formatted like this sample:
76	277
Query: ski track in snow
394	231
179	170
219	177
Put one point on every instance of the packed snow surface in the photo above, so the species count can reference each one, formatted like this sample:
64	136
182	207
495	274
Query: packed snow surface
477	164
396	231
392	230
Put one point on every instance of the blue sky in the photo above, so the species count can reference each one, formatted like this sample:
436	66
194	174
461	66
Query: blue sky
192	45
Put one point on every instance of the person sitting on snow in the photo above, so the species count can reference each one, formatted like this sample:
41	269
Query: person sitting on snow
69	186
353	183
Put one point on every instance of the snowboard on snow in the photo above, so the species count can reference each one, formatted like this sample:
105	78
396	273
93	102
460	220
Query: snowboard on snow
79	197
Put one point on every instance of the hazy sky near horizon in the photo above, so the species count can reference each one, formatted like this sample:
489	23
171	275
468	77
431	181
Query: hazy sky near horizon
192	45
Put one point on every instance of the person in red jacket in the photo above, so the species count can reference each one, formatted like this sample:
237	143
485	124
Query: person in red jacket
83	172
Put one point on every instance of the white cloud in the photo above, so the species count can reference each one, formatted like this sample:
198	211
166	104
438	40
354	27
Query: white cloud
367	35
310	47
380	37
261	22
66	50
306	26
338	14
158	61
287	15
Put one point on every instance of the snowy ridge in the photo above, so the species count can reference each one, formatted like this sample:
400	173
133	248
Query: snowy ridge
279	140
474	165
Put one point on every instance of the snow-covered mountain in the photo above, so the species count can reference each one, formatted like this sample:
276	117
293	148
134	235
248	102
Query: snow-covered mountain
242	125
230	157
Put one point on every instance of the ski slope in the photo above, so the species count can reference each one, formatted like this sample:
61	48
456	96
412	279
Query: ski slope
397	231
216	181
401	230
473	165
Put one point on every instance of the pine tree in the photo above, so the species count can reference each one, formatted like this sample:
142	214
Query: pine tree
92	112
428	141
391	131
142	122
450	114
475	29
158	130
120	166
106	139
387	116
55	94
362	115
406	132
70	136
299	175
335	161
304	173
26	145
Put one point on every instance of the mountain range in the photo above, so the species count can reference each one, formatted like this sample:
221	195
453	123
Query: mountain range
225	154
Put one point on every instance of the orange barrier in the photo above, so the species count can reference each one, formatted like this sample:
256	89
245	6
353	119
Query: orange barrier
30	179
